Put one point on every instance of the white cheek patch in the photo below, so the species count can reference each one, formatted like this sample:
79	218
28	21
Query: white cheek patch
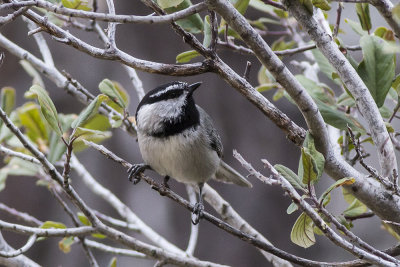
150	117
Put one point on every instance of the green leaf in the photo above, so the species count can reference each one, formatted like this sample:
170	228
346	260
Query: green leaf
79	144
322	4
292	208
384	33
240	5
98	122
315	158
390	230
115	121
340	182
29	117
108	88
99	236
207	31
337	118
264	76
261	6
3	178
396	13
66	243
266	87
377	69
51	224
347	224
281	13
385	112
302	232
396	84
57	148
362	10
185	57
37	79
17	166
7	98
278	94
83	219
317	91
280	45
193	23
89	111
290	176
310	173
308	5
356	27
113	262
324	65
356	207
77	4
317	231
345	100
80	132
47	107
168	3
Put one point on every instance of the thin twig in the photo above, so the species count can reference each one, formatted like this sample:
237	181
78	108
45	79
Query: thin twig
113	250
88	252
320	223
66	37
217	222
373	172
1	58
361	216
396	108
123	210
6	151
20	215
41	43
111	26
77	231
108	17
274	4
13	16
246	74
338	16
194	229
115	222
353	238
396	181
10	254
214	31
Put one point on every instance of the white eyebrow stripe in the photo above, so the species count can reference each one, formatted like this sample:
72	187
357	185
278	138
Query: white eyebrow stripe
168	88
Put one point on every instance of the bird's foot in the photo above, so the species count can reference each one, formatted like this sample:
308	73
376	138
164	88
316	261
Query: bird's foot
198	212
165	182
134	172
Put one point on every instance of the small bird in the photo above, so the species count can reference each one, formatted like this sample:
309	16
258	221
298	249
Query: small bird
177	139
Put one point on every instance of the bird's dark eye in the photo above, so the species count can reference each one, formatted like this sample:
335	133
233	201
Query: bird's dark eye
174	94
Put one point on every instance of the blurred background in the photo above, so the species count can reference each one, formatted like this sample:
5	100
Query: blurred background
240	125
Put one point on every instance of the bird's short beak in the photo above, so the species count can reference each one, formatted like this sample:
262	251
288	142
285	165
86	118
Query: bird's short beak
193	87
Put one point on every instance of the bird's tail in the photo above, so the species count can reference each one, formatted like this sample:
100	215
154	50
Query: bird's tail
227	174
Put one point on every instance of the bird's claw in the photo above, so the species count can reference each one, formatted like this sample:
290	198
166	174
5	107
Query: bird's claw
198	212
134	171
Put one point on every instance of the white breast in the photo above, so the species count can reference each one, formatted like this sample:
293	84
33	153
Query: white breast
186	157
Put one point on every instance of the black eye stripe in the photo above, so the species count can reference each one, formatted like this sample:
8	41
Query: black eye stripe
163	92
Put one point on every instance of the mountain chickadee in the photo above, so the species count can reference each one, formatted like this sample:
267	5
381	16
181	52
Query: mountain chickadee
177	139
